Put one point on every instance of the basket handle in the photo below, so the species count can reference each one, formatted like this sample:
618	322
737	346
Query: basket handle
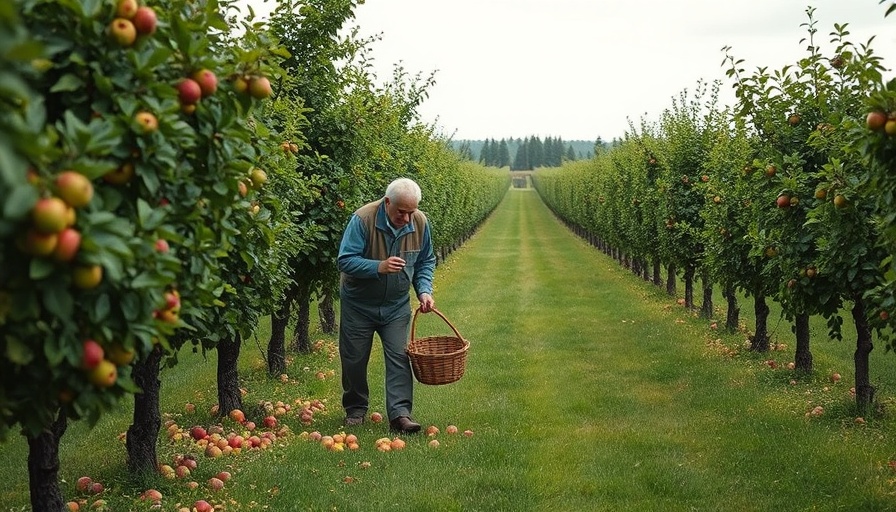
436	311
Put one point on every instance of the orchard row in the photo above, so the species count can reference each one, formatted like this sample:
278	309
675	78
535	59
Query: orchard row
787	195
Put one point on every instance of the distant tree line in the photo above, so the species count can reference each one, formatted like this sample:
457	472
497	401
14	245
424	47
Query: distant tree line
527	153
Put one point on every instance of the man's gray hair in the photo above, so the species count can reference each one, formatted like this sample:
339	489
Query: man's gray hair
404	188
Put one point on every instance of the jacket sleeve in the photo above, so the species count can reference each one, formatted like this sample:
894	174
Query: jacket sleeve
425	265
351	258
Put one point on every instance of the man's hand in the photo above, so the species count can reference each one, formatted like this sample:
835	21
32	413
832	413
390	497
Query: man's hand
427	303
391	265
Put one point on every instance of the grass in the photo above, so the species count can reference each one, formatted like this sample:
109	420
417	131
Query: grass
586	389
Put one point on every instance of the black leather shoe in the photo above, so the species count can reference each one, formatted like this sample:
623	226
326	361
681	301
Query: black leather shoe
404	425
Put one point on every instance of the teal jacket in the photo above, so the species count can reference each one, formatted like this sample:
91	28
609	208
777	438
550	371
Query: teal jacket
367	240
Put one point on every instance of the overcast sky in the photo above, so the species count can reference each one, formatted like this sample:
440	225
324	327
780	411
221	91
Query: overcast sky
604	61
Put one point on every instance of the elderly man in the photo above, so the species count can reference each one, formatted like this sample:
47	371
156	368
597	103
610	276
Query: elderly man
385	249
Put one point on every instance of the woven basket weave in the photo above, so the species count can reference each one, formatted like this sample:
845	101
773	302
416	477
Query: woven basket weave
437	359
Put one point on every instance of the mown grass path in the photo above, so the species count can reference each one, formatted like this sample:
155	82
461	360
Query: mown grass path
588	392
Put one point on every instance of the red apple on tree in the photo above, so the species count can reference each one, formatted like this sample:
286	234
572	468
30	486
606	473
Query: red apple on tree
49	215
126	9
67	245
188	91
875	121
93	354
260	87
74	188
145	20
207	81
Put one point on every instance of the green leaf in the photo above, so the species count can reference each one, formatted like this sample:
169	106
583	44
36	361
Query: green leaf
59	302
147	280
40	268
67	82
102	308
20	201
18	352
11	86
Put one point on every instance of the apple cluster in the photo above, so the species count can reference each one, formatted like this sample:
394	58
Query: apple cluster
256	86
884	122
170	310
201	84
100	364
52	233
132	20
289	147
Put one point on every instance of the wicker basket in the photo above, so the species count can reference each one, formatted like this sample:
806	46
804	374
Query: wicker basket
437	359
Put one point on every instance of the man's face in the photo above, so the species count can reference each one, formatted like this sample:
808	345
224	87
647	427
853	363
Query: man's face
400	211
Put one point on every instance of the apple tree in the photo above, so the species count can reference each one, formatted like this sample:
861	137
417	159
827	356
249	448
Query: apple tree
121	119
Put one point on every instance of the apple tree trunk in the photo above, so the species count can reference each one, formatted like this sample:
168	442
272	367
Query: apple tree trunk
689	287
760	336
732	318
706	307
143	434
657	272
229	396
300	341
277	343
802	355
327	313
43	467
671	279
864	346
